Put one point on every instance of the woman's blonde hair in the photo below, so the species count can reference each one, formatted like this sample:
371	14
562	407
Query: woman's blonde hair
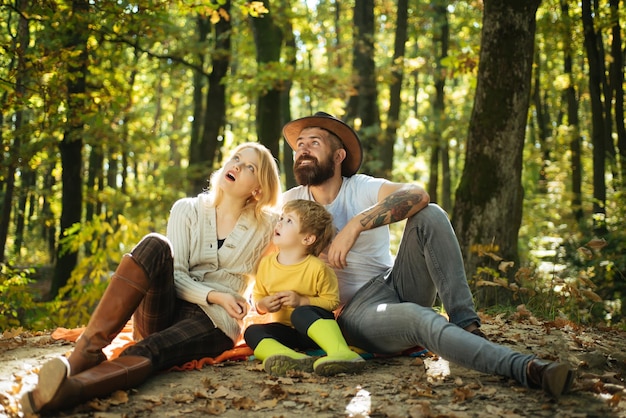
267	174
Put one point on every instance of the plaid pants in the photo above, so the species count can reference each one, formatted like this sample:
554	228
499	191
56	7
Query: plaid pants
172	331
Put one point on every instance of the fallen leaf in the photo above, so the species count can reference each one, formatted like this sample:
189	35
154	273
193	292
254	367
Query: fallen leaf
213	407
597	243
183	398
243	403
462	394
222	392
266	404
118	397
151	398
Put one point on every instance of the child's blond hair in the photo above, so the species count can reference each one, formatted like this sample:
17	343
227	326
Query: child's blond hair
315	220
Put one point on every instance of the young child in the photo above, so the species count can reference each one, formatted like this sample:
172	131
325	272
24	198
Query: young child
294	278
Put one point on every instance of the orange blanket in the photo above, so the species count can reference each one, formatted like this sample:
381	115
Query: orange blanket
125	339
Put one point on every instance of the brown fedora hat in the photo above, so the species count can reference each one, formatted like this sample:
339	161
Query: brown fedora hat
351	142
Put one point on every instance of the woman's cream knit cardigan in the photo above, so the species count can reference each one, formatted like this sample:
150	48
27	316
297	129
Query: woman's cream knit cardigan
200	267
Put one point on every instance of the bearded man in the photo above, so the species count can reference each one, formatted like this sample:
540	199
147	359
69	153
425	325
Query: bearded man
386	301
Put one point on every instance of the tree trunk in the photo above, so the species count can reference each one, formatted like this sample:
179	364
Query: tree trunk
616	77
441	40
542	120
285	106
27	183
572	118
22	43
203	153
488	208
48	230
395	89
597	118
72	144
196	173
433	168
95	181
362	110
268	39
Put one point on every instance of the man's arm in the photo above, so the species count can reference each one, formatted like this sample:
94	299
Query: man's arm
396	201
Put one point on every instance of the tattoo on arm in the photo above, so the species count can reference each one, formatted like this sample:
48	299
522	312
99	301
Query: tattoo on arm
393	208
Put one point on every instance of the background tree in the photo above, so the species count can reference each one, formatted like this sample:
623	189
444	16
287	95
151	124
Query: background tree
74	44
362	108
488	208
210	113
572	121
268	39
439	151
600	118
17	63
388	140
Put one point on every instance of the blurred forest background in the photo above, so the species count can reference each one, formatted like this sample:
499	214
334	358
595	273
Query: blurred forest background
509	112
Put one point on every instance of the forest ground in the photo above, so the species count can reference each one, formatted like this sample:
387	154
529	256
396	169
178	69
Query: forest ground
426	386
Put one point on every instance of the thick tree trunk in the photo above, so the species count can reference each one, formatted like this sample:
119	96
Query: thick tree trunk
204	152
395	89
268	39
488	209
572	118
596	75
71	146
362	110
196	173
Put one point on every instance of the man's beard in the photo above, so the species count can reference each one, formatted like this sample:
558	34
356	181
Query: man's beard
313	174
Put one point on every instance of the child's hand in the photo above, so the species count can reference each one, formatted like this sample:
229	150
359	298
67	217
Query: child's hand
269	304
291	298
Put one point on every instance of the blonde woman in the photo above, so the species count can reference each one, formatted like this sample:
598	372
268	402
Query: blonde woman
184	291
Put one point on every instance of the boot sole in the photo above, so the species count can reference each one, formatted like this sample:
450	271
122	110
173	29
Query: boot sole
51	376
279	365
333	367
558	381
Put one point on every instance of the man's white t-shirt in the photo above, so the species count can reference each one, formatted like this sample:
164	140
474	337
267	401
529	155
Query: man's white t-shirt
370	256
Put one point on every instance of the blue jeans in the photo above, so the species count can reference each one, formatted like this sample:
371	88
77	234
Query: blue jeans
393	312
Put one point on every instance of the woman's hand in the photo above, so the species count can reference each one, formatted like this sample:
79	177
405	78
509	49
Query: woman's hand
235	306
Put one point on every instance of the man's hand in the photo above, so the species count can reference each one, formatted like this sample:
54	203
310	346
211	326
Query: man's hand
342	244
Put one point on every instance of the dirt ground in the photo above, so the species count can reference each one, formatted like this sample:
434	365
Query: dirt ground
426	386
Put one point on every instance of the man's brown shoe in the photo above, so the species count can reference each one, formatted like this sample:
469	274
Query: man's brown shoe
554	378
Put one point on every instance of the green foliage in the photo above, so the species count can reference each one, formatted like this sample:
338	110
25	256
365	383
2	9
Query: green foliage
582	282
16	302
106	242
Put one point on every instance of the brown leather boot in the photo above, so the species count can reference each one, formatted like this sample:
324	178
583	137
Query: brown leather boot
554	378
126	289
57	391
